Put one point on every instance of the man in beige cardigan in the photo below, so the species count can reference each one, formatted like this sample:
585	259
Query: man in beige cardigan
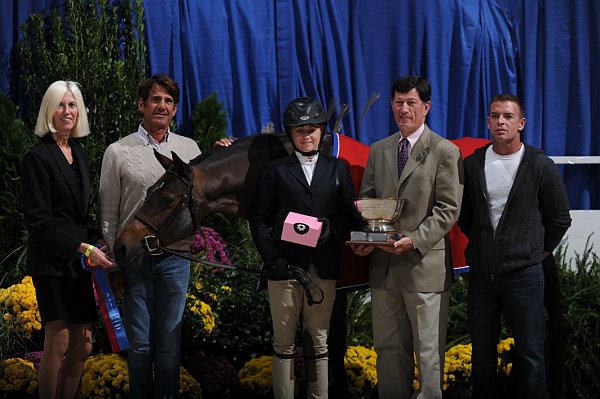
411	277
155	290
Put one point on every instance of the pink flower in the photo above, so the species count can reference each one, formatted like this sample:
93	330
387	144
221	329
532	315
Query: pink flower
210	245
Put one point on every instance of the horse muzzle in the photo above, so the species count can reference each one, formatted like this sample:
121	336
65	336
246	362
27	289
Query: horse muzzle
130	248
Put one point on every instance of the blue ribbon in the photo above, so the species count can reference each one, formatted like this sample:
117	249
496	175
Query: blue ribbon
108	304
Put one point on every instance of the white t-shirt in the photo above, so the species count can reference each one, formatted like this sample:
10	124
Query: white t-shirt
500	172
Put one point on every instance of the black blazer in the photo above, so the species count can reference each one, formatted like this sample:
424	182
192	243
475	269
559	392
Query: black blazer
283	189
56	209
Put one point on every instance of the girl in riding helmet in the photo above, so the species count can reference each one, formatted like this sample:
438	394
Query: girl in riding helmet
310	183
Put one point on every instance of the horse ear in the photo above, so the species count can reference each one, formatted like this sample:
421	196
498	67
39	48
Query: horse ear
179	164
163	160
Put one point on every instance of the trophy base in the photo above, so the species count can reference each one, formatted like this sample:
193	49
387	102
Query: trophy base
372	237
379	226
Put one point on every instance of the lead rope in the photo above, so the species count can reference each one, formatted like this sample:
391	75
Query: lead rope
298	273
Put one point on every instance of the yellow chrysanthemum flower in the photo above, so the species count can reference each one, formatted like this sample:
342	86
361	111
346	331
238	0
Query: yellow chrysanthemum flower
255	375
457	365
188	386
360	367
19	307
106	376
18	375
199	311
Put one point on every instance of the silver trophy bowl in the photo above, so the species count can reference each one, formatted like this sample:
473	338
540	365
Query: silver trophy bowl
379	213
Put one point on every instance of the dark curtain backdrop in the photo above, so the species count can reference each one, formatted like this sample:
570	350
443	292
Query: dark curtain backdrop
258	55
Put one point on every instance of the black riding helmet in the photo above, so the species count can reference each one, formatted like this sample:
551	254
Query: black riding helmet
305	111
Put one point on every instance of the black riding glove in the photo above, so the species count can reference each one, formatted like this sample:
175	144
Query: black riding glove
325	231
279	269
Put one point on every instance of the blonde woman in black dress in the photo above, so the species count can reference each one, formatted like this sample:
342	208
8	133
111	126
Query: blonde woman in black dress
56	195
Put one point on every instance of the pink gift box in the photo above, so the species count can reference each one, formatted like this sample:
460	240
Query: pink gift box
301	229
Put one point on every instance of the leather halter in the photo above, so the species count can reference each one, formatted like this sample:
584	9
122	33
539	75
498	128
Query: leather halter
187	200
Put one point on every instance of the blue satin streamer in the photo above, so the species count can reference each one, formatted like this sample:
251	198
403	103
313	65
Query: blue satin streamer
110	312
461	270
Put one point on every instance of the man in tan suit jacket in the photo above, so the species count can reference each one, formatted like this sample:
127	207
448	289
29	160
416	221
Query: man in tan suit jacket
410	279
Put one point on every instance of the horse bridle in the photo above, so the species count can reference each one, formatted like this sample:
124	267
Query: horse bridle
152	242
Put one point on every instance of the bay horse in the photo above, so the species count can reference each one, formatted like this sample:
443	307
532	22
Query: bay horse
223	180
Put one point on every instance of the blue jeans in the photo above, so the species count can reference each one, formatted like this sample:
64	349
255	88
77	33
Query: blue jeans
521	295
155	292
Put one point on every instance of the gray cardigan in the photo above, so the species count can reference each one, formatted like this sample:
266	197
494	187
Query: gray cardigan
534	220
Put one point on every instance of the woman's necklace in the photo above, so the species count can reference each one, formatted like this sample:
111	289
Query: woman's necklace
64	146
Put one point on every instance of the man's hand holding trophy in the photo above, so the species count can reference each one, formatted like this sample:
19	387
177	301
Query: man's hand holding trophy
379	215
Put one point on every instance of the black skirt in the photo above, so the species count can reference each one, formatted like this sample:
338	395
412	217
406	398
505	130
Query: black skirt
68	299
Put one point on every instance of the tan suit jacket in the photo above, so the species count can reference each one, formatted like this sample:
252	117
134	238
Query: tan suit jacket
431	186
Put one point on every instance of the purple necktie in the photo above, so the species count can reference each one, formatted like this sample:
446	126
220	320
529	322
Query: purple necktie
403	148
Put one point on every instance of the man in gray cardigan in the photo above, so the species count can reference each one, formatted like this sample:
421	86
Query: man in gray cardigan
515	212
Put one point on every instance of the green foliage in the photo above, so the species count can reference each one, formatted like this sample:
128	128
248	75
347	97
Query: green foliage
11	343
458	332
580	285
244	327
209	121
14	143
358	318
100	44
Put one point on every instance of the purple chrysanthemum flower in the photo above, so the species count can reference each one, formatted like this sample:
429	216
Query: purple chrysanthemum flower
210	244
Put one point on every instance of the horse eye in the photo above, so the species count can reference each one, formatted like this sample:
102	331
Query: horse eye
166	201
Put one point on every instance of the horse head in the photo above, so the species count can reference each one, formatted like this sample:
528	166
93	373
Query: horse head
167	213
